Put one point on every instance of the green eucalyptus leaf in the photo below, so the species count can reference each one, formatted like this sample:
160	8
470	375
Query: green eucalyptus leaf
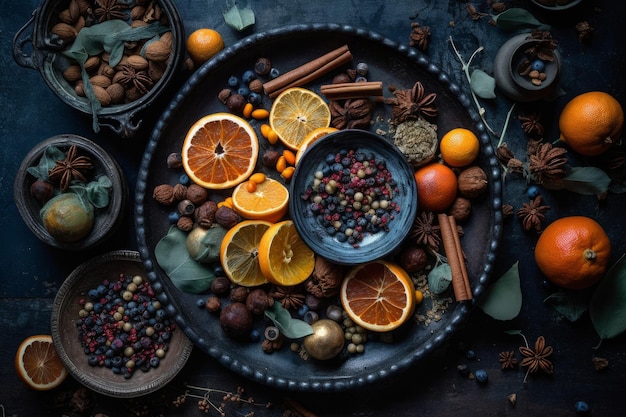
483	84
98	192
439	278
514	332
239	19
288	326
582	180
47	161
186	274
571	304
608	302
503	299
516	18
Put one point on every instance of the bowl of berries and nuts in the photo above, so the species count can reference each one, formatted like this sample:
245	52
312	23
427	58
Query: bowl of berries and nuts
108	59
110	330
354	197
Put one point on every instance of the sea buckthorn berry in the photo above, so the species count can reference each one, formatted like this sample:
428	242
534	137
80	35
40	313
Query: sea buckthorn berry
265	130
281	164
287	173
260	114
272	137
257	177
247	110
290	156
251	186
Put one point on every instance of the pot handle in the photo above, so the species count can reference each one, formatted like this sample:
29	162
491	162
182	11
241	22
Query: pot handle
22	58
123	125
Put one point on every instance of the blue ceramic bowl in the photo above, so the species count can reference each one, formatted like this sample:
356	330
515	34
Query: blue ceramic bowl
318	234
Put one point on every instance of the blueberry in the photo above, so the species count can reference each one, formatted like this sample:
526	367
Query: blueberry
274	72
254	335
255	98
184	179
244	91
93	360
302	310
233	81
248	76
538	65
481	376
582	408
154	361
200	302
533	191
470	354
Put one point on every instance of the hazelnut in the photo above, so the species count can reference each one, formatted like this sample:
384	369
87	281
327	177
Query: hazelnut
236	320
42	190
461	209
226	217
220	285
262	66
164	194
205	214
472	182
342	78
257	301
239	294
224	95
196	194
174	160
413	259
256	86
212	304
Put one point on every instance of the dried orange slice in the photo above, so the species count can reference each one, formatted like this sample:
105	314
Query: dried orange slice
378	296
295	113
38	364
220	151
239	252
312	137
268	201
284	258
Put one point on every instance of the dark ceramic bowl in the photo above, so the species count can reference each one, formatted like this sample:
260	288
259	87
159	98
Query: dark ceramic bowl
34	47
65	335
374	245
554	4
107	220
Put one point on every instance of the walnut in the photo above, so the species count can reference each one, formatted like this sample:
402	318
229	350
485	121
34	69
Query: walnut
224	95
258	300
196	194
472	182
239	294
164	194
205	213
461	209
180	192
226	217
185	223
325	280
413	259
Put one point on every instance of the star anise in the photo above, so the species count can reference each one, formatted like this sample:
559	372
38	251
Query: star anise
71	168
532	214
537	359
531	124
507	210
504	154
508	360
548	163
413	103
419	36
351	113
138	79
424	232
289	297
109	10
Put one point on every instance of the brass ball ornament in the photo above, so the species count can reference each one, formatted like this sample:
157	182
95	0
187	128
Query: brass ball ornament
326	341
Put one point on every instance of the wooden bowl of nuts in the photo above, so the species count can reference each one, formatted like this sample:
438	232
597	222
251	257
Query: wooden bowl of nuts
125	347
70	193
357	217
113	79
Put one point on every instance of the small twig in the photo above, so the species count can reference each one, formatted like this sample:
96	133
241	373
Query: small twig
465	67
506	125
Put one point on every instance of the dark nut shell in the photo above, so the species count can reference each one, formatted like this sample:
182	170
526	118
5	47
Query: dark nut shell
180	192
413	259
226	217
164	194
239	294
235	103
236	320
185	223
220	285
461	209
472	182
205	213
258	300
196	194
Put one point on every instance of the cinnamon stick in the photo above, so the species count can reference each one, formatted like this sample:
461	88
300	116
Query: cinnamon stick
340	91
455	257
308	72
459	249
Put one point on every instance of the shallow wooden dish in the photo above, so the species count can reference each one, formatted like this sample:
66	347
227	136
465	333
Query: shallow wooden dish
107	220
66	339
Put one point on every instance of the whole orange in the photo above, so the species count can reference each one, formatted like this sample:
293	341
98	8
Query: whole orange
459	147
573	252
591	122
203	44
436	186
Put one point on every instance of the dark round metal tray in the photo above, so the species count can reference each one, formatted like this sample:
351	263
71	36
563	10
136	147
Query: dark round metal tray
396	65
